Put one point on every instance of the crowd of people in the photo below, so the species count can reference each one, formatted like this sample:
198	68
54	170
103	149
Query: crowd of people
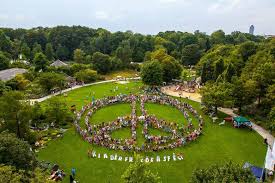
101	134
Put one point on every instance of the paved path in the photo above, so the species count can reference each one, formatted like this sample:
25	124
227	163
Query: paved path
32	101
270	155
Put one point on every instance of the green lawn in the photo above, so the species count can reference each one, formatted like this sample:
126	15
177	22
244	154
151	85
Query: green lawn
218	144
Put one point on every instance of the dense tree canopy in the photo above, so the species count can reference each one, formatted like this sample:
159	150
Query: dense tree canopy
101	62
152	73
16	152
228	172
15	114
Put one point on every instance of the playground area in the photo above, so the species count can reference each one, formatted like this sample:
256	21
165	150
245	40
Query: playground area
183	92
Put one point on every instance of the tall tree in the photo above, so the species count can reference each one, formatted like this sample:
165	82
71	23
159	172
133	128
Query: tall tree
190	54
62	52
49	81
15	114
216	95
218	37
49	52
26	51
124	53
5	43
152	73
264	76
57	111
101	62
229	72
40	61
36	49
16	152
79	56
219	68
4	61
171	69
243	92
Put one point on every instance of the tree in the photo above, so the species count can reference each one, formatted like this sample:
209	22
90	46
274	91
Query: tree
190	54
243	92
228	172
116	63
49	52
171	70
15	50
78	67
86	75
124	53
19	82
138	172
152	73
186	75
57	111
15	114
40	61
9	174
247	49
206	72
216	95
49	81
4	61
5	43
3	88
218	37
26	51
219	68
264	76
101	62
229	72
16	152
62	52
36	49
79	56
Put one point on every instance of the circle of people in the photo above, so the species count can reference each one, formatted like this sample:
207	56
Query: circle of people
100	134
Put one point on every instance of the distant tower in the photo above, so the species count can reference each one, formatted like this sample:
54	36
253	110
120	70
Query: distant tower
251	29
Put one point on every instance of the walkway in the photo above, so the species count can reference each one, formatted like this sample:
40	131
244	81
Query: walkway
270	155
32	101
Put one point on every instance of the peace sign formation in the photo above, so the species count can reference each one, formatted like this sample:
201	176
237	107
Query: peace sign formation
101	134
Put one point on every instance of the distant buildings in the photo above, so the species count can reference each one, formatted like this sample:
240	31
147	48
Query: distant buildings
269	36
58	63
251	29
8	74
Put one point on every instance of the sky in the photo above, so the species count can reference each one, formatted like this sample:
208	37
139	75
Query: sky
143	16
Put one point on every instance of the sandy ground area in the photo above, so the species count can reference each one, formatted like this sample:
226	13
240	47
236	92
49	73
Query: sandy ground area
171	90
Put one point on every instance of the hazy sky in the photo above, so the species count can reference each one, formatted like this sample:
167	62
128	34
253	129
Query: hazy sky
144	16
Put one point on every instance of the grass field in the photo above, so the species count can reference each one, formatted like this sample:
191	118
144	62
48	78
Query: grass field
217	145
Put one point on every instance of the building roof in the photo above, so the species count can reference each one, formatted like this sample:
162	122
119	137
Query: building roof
8	74
58	63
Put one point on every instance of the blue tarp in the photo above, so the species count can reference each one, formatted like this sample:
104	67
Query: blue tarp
257	172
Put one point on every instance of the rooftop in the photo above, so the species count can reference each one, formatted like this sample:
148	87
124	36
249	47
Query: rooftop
58	63
8	74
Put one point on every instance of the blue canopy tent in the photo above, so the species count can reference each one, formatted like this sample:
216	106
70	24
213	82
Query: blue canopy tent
241	121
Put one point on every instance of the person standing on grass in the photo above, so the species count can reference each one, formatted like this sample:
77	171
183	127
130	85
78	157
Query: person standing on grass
73	172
